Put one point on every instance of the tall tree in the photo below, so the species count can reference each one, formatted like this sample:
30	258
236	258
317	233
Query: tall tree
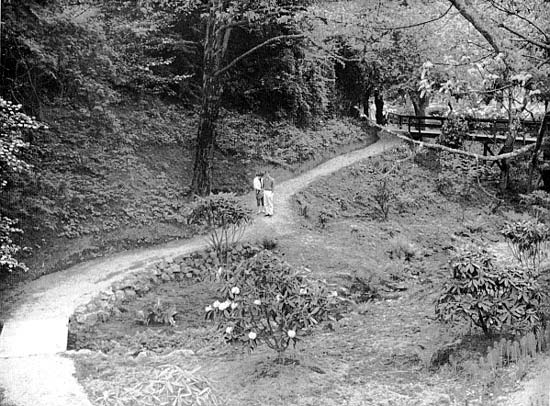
223	17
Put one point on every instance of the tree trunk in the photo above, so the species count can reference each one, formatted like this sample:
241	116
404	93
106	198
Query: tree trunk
379	103
206	137
214	49
419	103
540	136
508	145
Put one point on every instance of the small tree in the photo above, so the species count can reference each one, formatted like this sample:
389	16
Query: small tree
489	297
226	219
264	300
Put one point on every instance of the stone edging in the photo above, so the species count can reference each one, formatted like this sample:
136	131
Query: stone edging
190	267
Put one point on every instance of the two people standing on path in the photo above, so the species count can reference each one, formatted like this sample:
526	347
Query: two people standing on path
264	186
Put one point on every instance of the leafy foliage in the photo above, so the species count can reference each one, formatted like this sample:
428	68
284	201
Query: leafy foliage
14	124
453	132
490	297
527	240
264	300
226	218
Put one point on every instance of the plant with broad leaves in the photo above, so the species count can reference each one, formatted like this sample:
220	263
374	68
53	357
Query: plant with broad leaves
226	218
265	300
527	240
489	297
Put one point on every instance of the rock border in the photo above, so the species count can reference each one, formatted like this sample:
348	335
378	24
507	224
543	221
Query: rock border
192	267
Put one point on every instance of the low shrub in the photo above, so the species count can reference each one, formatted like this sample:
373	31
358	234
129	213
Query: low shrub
538	202
489	297
265	300
158	314
527	240
383	198
453	132
400	248
225	217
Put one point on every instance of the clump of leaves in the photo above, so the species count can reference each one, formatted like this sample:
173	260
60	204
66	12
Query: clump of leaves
527	240
269	243
401	248
453	132
324	217
266	301
489	297
158	314
226	219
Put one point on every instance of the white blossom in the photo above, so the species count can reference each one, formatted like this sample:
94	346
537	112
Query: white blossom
291	333
252	335
235	290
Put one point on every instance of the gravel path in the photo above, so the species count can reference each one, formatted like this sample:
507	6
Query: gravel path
39	378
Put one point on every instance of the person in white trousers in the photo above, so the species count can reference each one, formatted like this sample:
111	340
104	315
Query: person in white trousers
258	189
269	188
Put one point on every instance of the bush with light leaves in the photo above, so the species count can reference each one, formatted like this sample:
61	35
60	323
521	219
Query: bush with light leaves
13	125
266	301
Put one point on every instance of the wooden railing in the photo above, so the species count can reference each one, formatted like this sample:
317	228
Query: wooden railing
427	126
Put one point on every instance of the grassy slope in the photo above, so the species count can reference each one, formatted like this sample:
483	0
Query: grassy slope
379	353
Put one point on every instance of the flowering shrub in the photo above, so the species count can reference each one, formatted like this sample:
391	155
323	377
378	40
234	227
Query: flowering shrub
13	124
264	300
226	218
489	297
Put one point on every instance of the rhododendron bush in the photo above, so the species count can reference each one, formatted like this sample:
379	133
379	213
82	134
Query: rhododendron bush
264	300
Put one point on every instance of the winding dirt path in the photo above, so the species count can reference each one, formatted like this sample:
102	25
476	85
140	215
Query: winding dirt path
32	369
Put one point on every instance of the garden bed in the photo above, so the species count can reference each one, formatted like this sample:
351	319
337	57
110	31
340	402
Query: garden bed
386	347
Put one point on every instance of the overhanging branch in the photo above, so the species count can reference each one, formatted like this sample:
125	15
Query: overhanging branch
256	48
525	38
465	9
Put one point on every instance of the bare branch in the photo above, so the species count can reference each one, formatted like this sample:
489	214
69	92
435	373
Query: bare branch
525	38
516	14
404	27
256	48
465	9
